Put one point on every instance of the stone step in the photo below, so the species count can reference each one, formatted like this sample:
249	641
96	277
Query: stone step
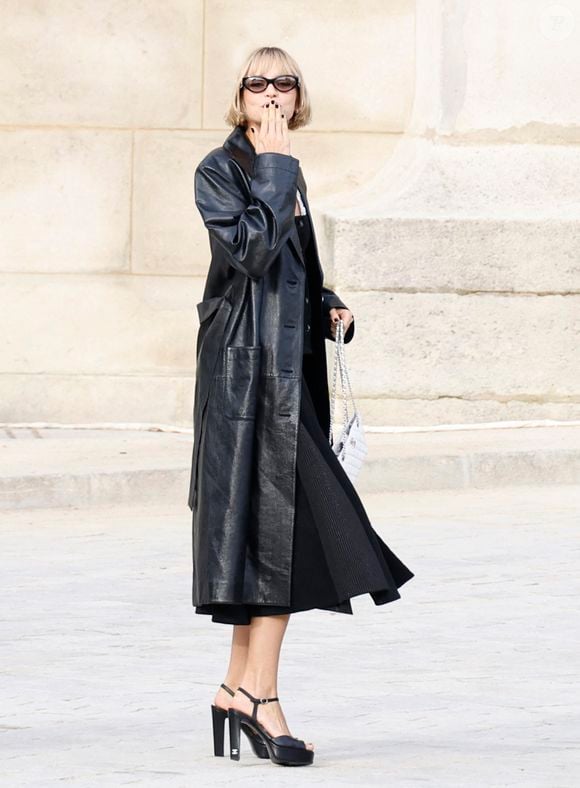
55	467
460	265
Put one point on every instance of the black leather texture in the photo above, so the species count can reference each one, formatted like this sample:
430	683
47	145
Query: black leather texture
249	355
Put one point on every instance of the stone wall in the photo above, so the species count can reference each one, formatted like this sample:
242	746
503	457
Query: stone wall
441	164
462	253
106	110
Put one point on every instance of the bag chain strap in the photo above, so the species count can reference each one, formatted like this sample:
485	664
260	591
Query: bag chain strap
334	371
340	362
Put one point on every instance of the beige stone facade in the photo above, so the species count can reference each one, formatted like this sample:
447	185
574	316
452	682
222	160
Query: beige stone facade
441	162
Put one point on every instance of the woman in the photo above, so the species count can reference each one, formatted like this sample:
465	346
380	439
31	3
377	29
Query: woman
277	525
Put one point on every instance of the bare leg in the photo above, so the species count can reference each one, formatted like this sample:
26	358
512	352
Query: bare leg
237	666
260	677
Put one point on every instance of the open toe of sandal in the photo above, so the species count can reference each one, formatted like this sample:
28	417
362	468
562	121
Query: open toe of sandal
283	750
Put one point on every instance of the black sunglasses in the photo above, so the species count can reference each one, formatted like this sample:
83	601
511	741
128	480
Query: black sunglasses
284	83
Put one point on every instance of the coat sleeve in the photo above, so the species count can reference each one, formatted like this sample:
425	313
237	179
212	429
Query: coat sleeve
251	229
329	301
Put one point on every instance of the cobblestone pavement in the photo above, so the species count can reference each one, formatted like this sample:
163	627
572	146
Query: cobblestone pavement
470	679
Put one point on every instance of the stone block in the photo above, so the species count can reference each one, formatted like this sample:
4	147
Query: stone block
473	348
105	399
65	200
130	64
494	216
99	325
168	234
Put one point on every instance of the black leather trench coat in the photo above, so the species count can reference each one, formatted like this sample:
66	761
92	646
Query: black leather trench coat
249	374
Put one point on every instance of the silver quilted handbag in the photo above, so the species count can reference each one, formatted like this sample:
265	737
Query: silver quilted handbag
351	447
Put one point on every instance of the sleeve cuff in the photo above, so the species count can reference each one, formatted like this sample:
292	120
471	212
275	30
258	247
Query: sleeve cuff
281	161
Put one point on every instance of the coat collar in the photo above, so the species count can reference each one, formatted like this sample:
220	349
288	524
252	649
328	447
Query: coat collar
241	149
239	146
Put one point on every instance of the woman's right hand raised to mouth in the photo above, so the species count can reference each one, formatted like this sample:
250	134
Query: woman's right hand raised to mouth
273	136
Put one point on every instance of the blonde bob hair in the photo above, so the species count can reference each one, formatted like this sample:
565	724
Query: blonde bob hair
257	63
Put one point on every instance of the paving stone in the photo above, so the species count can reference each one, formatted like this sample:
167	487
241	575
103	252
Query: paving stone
470	678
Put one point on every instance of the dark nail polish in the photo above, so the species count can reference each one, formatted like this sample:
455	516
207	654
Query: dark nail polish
275	105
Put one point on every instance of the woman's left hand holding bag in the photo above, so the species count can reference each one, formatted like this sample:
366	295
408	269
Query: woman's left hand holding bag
337	314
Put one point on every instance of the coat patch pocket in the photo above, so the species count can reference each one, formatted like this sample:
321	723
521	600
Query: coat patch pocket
213	316
242	374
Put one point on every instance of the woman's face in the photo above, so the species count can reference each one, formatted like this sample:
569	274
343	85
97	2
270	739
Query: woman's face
254	103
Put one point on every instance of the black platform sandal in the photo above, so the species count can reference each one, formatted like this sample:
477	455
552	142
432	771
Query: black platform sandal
283	750
218	718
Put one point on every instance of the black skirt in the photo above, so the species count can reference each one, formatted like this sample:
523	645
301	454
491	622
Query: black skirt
336	552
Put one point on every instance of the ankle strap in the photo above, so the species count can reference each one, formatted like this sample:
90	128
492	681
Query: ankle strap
227	689
256	701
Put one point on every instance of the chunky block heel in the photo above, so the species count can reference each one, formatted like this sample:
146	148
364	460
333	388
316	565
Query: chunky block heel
218	719
234	720
282	750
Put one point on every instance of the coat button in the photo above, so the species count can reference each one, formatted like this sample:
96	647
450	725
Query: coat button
306	299
308	326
